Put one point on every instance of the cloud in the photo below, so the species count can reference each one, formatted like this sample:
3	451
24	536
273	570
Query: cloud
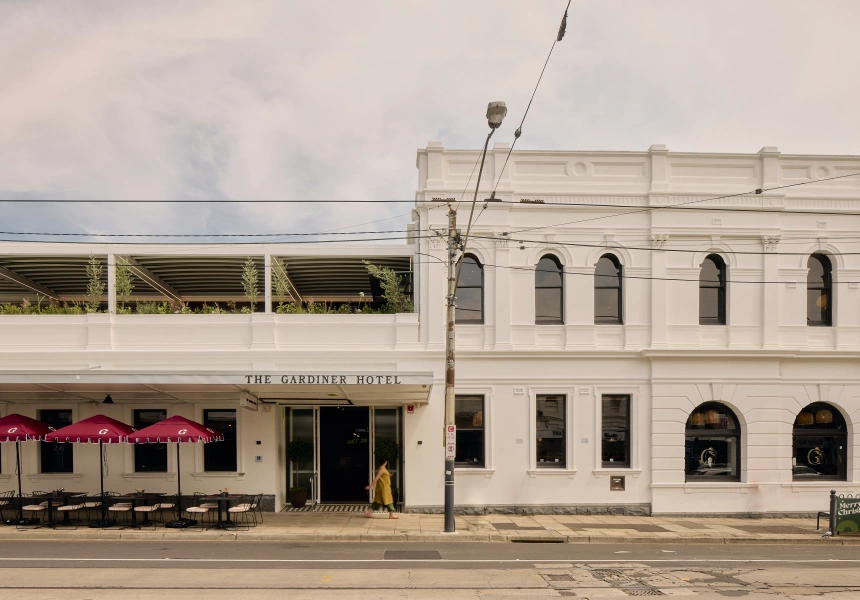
275	99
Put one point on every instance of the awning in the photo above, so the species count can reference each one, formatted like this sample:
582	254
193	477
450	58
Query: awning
248	388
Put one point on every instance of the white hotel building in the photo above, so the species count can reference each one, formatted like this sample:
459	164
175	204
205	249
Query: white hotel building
624	343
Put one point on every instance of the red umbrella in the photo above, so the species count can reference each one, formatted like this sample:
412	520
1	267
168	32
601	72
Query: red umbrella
18	428
179	430
99	428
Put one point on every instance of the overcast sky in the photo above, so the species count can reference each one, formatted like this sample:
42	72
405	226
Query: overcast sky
316	100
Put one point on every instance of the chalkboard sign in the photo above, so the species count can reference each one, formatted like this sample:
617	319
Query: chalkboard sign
847	515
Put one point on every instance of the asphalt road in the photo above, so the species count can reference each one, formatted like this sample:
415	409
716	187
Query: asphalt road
361	555
150	570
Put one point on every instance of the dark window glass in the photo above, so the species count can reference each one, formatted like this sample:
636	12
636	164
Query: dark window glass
302	428
220	456
470	291
712	291
469	419
549	291
615	445
149	458
820	448
712	448
56	457
819	291
607	290
549	426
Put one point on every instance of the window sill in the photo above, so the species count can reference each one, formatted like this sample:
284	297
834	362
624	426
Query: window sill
164	476
219	475
605	472
488	473
550	471
51	476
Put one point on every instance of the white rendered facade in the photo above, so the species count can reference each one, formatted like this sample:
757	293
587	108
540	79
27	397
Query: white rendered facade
765	363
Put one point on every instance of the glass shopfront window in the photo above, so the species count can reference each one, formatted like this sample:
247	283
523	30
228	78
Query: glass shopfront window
550	432
615	443
820	448
469	419
712	448
221	456
149	458
56	457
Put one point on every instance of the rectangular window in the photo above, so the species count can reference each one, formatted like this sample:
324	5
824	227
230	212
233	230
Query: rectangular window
615	441
56	457
149	458
220	456
550	430
469	419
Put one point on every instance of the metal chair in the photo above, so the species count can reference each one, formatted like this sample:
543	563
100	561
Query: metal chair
118	508
197	512
92	504
69	509
34	509
257	507
241	511
5	502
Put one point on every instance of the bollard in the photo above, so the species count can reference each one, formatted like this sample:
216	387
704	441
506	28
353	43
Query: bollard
832	512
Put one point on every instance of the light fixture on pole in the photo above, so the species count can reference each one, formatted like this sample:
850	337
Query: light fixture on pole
496	112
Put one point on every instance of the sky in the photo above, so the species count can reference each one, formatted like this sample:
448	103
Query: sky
290	99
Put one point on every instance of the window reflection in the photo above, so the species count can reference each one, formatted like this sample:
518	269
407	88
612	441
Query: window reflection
820	447
550	431
549	296
712	291
470	291
607	290
469	419
712	448
819	291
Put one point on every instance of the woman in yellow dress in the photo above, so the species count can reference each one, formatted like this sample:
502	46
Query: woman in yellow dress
381	485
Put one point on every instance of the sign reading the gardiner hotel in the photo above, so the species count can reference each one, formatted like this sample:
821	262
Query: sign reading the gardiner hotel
307	379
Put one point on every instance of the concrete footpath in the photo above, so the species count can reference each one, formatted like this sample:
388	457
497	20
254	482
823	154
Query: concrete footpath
574	529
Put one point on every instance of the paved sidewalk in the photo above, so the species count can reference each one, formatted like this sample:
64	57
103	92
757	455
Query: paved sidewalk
308	527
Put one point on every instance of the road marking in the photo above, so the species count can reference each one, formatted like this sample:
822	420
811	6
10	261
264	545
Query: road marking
437	561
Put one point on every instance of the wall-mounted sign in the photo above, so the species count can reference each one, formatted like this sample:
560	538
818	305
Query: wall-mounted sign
410	409
331	379
450	442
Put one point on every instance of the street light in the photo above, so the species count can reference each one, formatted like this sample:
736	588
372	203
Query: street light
496	112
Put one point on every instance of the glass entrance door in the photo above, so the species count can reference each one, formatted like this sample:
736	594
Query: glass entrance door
344	451
346	441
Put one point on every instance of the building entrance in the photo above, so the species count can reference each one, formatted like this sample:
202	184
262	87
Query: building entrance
344	453
346	441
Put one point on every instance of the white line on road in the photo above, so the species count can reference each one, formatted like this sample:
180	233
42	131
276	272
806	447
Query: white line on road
435	561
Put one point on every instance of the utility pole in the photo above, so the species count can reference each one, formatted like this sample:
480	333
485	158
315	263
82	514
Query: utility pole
453	241
496	112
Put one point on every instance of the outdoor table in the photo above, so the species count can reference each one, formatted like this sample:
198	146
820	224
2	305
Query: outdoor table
134	499
222	499
51	497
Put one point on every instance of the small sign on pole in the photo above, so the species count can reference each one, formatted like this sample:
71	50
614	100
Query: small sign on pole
450	442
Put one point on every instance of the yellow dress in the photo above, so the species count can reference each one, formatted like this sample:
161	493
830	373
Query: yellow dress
382	493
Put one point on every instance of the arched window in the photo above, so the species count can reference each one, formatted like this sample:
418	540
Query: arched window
607	290
820	448
549	291
470	292
712	291
819	291
713	444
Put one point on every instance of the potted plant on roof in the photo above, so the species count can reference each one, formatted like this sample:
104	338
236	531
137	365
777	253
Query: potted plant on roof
298	452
